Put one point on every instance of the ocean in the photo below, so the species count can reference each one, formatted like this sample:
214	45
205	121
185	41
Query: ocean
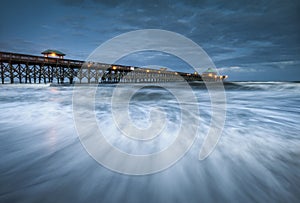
257	158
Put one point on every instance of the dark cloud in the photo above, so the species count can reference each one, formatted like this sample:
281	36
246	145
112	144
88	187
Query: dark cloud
71	2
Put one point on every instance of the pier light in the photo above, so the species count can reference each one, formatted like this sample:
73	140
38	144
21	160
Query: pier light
210	75
114	67
195	73
176	73
159	71
147	71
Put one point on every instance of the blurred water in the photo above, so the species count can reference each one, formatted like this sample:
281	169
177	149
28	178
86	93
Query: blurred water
256	160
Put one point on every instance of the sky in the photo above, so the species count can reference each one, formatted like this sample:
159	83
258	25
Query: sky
247	40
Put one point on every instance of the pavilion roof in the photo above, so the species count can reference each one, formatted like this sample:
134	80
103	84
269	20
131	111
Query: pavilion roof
51	51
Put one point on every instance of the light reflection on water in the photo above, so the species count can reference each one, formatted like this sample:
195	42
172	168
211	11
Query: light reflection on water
256	160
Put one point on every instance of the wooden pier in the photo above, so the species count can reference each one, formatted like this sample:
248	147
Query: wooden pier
21	68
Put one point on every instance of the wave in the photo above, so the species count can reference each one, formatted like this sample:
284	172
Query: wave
249	85
252	86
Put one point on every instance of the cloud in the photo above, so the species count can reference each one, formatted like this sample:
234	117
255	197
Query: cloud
23	46
238	69
71	2
282	64
274	70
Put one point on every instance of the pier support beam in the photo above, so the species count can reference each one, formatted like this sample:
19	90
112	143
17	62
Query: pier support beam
11	73
2	73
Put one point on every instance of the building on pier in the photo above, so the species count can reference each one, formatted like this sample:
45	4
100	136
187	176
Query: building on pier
53	53
212	75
